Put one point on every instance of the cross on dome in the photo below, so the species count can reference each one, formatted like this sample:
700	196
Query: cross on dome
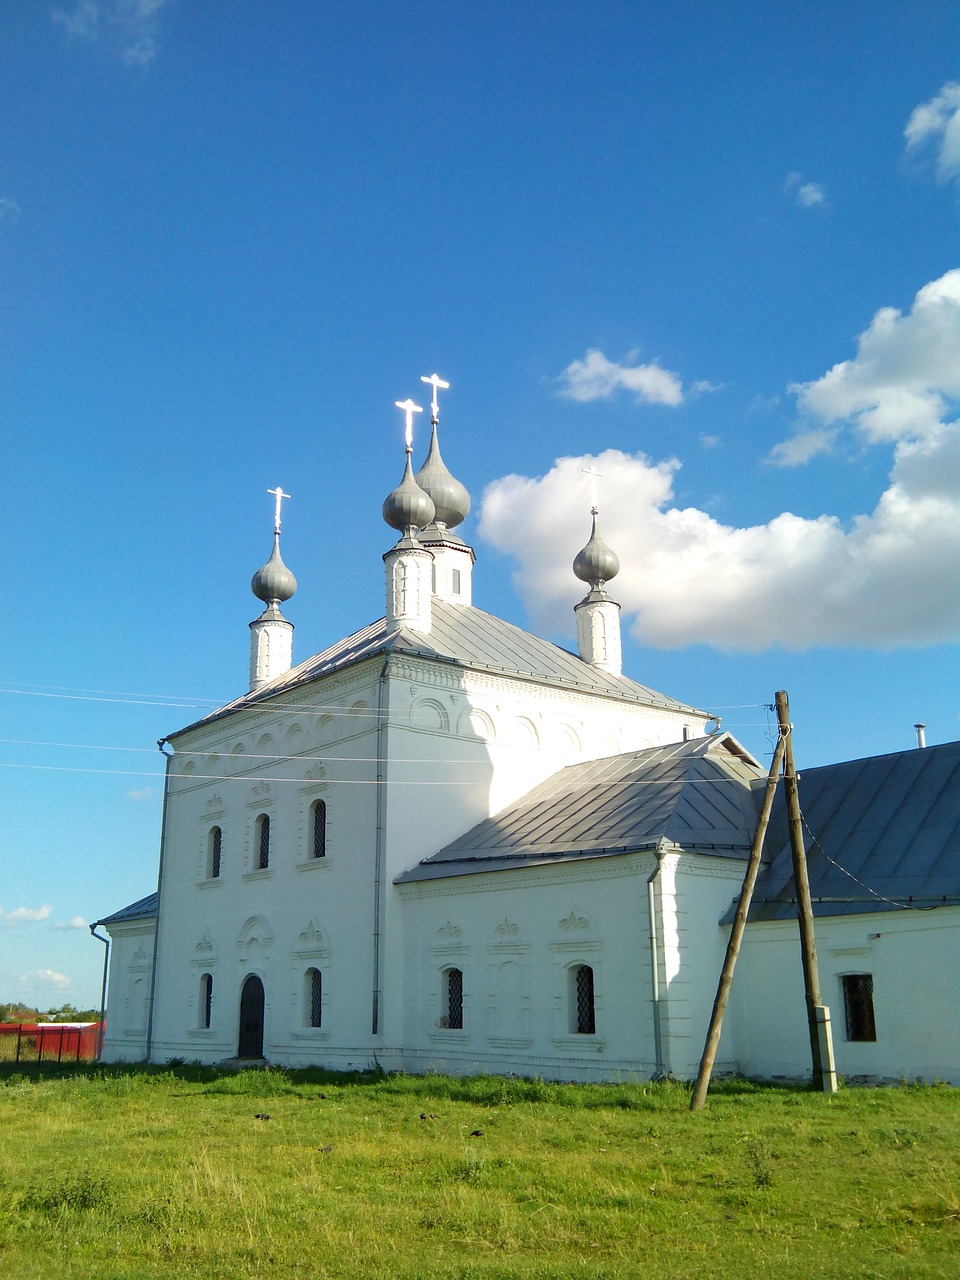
435	381
409	409
594	475
279	495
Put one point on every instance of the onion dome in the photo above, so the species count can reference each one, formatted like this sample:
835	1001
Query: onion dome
596	563
450	498
274	583
408	508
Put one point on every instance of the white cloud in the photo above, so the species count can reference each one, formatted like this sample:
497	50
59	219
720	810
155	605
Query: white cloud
130	27
900	384
77	922
144	793
937	123
810	194
597	378
45	978
798	583
9	210
26	915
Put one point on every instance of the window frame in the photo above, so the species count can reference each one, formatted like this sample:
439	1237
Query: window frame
452	996
205	1019
313	998
582	999
261	842
214	852
318	830
860	1021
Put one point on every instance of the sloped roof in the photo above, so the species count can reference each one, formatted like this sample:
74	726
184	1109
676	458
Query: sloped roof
142	909
892	822
463	636
693	795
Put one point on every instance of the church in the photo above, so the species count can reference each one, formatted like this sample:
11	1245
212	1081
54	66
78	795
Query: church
444	844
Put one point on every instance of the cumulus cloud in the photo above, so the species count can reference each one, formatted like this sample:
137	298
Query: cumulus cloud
77	922
900	384
143	793
130	27
936	124
808	194
597	378
45	978
686	578
26	915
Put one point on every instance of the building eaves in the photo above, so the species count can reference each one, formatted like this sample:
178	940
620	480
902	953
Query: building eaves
142	909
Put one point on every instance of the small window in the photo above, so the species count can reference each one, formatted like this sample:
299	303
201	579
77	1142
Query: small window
214	851
455	581
206	1000
858	1006
263	841
453	1000
582	1013
318	845
312	998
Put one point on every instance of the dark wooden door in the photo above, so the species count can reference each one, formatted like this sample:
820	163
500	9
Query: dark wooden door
250	1044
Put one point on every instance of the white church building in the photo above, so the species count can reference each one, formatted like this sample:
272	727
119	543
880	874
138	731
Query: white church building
446	844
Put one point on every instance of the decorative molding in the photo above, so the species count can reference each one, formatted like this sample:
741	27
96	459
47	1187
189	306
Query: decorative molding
312	941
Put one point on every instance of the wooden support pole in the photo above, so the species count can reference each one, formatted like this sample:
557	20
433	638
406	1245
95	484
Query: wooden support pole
824	1075
736	933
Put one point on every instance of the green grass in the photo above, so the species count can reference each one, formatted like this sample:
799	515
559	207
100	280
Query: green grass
139	1173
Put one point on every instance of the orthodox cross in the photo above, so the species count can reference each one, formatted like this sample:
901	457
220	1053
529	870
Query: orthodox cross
409	409
279	495
594	475
436	382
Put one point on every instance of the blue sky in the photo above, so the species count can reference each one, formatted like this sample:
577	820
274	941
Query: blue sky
713	246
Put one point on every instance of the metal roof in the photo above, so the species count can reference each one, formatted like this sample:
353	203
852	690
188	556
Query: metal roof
466	637
692	795
891	822
142	909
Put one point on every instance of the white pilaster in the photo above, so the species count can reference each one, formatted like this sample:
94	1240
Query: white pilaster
598	632
409	570
271	647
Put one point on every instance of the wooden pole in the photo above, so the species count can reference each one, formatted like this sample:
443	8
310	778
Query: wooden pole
736	933
824	1076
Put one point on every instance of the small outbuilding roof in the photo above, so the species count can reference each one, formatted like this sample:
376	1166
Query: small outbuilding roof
692	795
464	636
142	909
880	834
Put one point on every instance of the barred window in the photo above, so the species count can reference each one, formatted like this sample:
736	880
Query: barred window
206	1000
858	1006
318	847
582	1013
214	850
263	841
453	993
312	998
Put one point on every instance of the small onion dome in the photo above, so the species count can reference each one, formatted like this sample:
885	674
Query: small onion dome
450	498
596	563
274	583
408	507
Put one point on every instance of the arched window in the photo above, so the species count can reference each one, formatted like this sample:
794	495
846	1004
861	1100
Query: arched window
453	999
206	1000
318	827
582	1013
263	841
312	998
214	850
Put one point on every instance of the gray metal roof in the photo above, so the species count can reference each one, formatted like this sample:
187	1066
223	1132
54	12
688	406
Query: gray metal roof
142	909
692	795
467	637
892	822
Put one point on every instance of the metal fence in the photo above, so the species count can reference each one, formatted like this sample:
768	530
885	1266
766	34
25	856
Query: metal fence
49	1041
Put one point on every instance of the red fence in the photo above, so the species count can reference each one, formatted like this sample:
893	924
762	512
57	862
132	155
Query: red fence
49	1041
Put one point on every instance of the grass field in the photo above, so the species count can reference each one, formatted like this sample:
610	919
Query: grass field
138	1173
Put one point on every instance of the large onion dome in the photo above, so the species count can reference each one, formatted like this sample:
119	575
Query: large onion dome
408	508
596	563
450	499
274	583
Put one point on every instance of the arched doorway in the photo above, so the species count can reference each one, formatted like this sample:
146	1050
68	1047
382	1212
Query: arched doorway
250	1043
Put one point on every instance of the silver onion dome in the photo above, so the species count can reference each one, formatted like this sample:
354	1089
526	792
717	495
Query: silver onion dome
596	563
274	583
450	499
408	507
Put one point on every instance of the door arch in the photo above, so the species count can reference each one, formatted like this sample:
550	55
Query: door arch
250	1040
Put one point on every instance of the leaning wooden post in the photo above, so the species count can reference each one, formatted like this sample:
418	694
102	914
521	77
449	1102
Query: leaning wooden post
736	933
818	1016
